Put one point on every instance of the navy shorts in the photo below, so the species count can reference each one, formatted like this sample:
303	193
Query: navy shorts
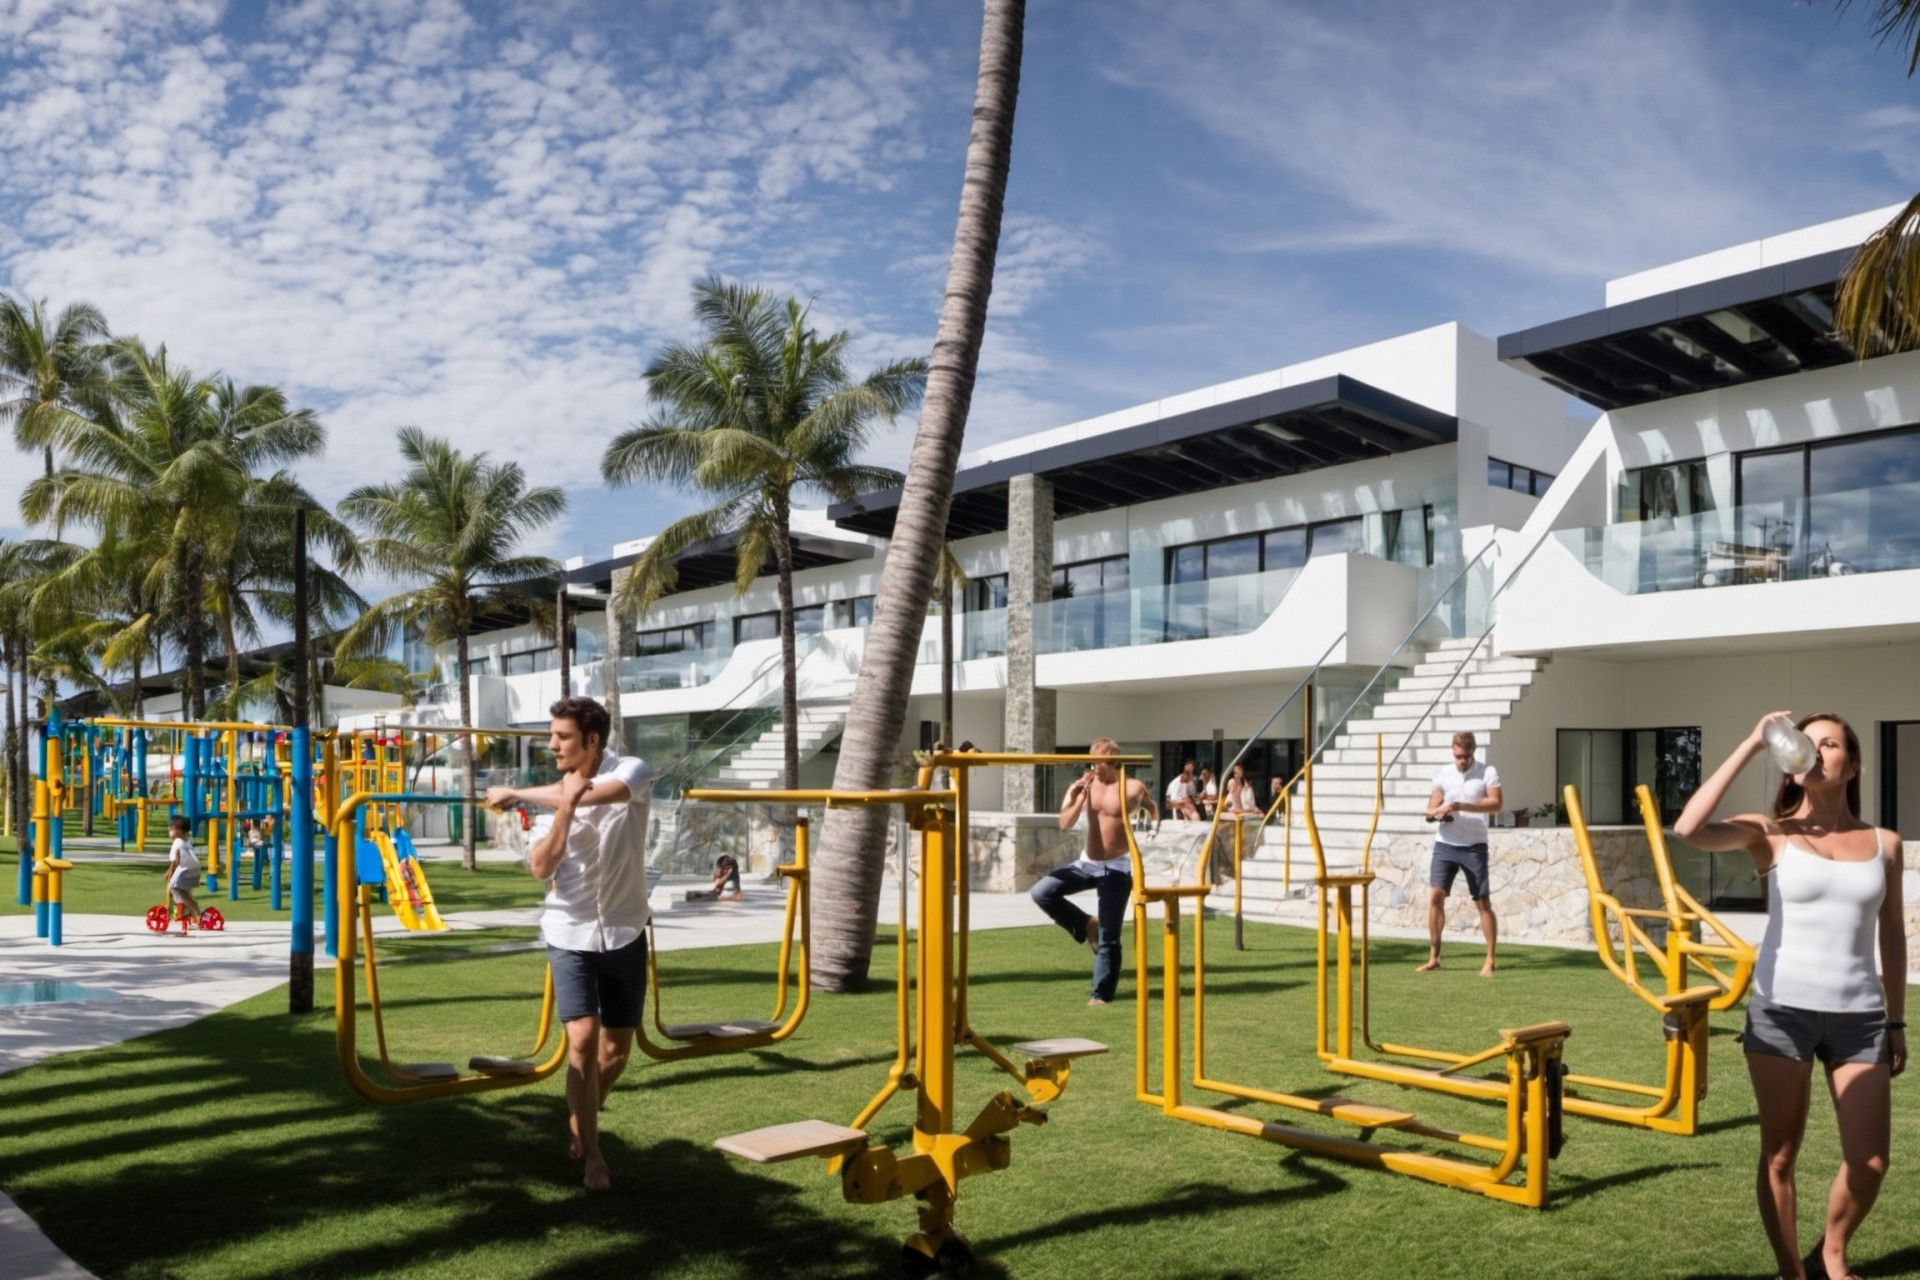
1451	859
609	985
1805	1035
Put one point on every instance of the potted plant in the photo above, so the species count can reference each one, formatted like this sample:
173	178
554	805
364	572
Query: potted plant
1550	812
1522	817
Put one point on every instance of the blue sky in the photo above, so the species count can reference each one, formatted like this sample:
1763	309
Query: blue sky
484	218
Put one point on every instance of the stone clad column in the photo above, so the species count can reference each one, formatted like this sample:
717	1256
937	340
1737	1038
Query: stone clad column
1031	712
610	671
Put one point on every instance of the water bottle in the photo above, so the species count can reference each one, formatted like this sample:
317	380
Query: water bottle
1792	750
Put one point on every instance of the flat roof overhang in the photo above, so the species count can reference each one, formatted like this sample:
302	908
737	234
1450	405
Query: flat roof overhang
1323	423
711	563
1742	328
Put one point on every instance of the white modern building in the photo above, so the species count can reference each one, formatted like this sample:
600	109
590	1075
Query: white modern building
1430	521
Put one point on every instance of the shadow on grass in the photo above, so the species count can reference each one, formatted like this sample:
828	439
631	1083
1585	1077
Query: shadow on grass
1193	1200
331	1185
750	1063
1567	1190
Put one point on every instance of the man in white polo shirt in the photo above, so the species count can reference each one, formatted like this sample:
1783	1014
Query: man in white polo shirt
1463	794
593	849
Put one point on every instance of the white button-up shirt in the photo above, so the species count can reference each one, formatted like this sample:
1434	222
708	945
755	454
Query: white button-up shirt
598	901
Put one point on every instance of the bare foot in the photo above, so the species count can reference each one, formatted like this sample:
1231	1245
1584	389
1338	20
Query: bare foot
1096	1003
597	1178
1433	962
1486	970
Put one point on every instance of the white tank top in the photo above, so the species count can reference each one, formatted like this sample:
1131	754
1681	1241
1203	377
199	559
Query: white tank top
1822	917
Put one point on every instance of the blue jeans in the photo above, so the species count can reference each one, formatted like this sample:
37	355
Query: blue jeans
1116	891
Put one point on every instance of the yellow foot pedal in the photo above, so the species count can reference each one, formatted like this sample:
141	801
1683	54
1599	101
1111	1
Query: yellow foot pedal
733	1030
1364	1114
425	1071
793	1141
1061	1049
487	1066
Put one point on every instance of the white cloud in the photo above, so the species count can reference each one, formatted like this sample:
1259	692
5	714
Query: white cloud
407	213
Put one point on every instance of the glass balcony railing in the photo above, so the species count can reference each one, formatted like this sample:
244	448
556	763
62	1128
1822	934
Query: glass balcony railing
1830	535
1229	606
685	669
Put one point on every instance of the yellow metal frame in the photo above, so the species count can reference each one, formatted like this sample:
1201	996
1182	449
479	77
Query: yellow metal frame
932	1021
1533	1058
410	1082
701	1040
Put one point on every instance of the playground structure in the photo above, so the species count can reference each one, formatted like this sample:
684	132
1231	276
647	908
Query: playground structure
1531	1091
932	1019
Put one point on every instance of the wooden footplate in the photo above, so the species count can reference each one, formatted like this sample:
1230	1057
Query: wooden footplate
424	1072
1061	1049
793	1141
733	1030
491	1066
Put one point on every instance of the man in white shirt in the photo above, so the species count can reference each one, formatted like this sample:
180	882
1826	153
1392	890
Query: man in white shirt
593	850
1463	793
1180	794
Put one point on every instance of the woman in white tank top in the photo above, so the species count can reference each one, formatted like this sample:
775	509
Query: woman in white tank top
1834	891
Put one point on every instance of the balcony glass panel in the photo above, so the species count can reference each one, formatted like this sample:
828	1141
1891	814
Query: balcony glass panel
1781	538
1200	610
984	634
686	669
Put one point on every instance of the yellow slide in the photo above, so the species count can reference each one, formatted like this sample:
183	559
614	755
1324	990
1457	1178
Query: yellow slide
407	890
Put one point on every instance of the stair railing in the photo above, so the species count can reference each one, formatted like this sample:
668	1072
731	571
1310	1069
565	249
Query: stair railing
740	724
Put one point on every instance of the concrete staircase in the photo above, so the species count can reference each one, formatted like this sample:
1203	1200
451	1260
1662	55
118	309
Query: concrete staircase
1478	698
762	762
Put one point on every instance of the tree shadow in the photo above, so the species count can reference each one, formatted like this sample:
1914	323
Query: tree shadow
1570	1189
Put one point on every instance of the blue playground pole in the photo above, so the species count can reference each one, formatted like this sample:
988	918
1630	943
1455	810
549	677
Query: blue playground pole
330	895
40	773
56	804
303	851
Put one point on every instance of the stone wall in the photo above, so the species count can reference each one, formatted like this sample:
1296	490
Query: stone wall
1538	888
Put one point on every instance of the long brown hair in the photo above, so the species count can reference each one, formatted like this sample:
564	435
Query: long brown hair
1792	794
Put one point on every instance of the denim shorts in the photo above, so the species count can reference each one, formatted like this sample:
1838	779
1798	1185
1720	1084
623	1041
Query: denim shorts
609	985
1450	859
1806	1034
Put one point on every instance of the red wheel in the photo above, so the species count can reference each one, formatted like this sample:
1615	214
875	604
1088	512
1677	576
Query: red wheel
158	918
210	918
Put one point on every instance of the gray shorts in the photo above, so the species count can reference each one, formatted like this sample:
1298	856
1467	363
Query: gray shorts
608	985
184	881
1806	1034
1451	859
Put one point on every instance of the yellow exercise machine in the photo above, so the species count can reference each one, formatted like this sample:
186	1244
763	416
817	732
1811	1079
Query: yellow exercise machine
1531	1091
703	1039
931	1022
1675	1103
417	1081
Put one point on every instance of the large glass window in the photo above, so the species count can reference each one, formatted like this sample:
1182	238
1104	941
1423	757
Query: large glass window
986	593
530	661
1511	475
1285	548
1091	578
1863	504
693	636
809	621
1670	491
1335	537
857	612
1607	764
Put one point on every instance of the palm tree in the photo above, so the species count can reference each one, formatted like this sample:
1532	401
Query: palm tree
763	406
1877	309
50	371
181	455
452	525
852	850
112	593
26	621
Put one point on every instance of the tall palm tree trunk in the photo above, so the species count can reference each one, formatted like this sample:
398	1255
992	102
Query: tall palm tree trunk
228	638
789	661
193	636
946	659
469	767
853	848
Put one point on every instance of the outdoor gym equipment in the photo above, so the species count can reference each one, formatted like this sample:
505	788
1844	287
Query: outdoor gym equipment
733	1035
1675	1105
415	1081
1531	1090
931	1021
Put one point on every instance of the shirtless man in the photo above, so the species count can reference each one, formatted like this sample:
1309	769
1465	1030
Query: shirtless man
1104	867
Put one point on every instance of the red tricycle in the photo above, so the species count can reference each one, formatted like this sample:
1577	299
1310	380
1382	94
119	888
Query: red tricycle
160	917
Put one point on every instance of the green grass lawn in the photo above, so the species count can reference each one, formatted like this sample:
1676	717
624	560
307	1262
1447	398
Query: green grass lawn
232	1147
129	889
